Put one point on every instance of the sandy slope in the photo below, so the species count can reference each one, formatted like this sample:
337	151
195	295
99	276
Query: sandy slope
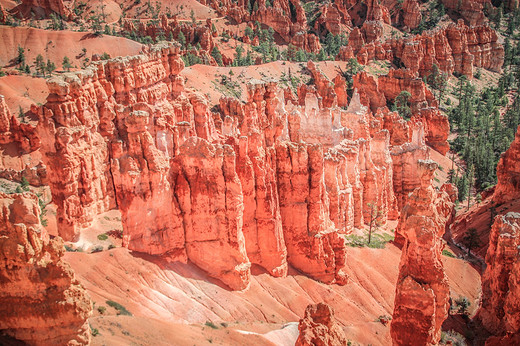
175	293
55	45
22	91
207	79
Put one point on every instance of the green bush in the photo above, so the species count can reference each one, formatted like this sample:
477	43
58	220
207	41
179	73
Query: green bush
103	236
211	324
448	253
121	310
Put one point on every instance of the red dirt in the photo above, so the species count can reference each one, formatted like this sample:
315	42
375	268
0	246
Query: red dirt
55	45
175	293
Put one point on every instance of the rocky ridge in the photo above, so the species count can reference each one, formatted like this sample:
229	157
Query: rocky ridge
455	48
41	302
125	134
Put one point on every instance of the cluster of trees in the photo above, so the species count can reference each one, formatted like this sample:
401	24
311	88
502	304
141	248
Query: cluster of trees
484	129
20	61
43	68
267	47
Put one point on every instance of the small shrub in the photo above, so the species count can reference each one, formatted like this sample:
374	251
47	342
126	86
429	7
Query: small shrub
211	325
448	253
94	331
384	319
453	338
103	236
97	248
463	304
121	310
111	246
101	309
116	233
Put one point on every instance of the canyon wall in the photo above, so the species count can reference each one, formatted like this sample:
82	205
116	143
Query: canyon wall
508	173
41	302
500	312
422	293
273	181
455	48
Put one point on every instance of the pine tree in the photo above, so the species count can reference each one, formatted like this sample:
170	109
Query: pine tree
182	39
215	53
402	104
50	67
40	65
66	63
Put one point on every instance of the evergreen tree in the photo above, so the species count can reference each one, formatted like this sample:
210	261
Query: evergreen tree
50	67
402	104
215	53
66	63
40	65
181	39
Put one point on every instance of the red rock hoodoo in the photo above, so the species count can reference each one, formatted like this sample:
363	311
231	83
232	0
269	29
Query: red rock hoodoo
508	173
41	302
422	293
456	48
273	182
319	327
500	312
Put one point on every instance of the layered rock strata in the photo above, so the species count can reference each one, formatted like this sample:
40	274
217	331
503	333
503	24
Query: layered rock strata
456	48
272	181
41	302
422	293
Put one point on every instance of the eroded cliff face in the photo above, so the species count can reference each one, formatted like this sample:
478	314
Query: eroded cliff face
275	180
508	173
422	293
41	302
456	48
12	130
500	312
319	327
61	7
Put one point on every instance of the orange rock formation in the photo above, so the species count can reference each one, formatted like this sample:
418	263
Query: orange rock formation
41	302
272	181
500	312
456	48
508	173
422	293
318	327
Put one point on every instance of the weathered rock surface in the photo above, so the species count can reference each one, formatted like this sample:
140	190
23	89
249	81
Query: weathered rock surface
61	7
456	48
41	302
12	130
319	327
272	181
470	10
508	173
411	13
500	312
422	293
